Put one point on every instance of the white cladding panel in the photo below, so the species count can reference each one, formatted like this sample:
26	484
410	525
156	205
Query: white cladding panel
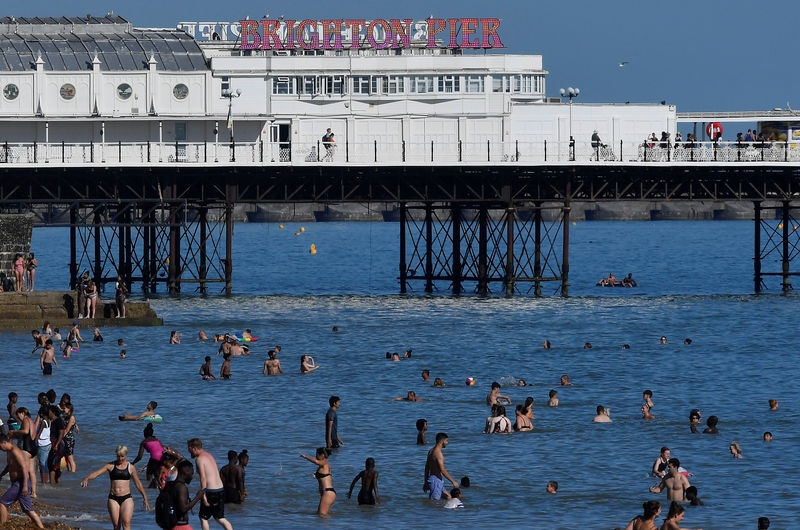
167	99
482	129
24	103
111	99
54	104
437	130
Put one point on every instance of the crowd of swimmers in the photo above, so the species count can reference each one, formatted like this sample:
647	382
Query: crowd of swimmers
52	433
612	281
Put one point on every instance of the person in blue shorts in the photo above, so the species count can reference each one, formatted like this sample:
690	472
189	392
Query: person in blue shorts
19	471
435	470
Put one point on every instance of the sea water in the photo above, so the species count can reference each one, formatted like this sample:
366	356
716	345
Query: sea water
695	280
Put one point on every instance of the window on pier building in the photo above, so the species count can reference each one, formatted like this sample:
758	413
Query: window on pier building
330	84
361	84
474	83
283	85
306	84
225	84
379	84
421	84
449	83
396	84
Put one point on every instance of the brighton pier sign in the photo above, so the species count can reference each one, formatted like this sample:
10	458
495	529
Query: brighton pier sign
269	34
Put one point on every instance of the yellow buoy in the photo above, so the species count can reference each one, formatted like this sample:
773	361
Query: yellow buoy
297	233
780	226
302	228
794	228
313	249
574	223
280	226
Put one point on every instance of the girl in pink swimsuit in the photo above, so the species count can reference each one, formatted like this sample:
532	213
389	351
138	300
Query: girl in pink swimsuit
19	271
152	445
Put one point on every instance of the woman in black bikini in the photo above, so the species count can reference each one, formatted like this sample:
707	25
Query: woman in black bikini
120	502
327	495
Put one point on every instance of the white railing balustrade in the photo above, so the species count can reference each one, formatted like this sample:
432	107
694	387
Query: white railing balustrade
386	152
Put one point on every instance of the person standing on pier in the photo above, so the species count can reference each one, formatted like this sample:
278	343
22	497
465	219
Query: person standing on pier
30	271
121	293
213	504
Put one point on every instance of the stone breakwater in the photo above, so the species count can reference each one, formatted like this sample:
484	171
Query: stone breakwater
22	310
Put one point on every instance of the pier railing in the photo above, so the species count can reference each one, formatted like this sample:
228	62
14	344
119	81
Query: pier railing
394	153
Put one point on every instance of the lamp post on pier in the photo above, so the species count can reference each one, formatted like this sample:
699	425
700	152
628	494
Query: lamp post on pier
230	94
570	93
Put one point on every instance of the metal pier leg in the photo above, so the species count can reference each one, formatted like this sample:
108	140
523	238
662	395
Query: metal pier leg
757	246
785	285
228	240
428	248
537	251
120	242
146	242
203	235
509	279
97	272
455	217
403	271
483	271
153	275
172	276
128	273
565	252
73	246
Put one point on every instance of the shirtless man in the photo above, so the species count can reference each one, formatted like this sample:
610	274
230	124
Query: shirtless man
19	471
48	358
225	347
602	415
434	470
493	397
210	481
426	375
660	465
236	349
231	475
272	366
675	483
225	369
202	335
369	484
205	370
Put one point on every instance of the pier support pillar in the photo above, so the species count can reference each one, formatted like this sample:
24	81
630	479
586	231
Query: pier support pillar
483	267
455	217
508	281
428	247
229	198
203	269
73	246
785	285
537	249
565	252
173	278
97	269
757	246
403	265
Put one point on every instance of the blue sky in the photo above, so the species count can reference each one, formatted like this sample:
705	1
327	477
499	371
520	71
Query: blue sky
704	55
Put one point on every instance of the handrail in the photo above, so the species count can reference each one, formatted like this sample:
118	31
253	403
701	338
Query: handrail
374	151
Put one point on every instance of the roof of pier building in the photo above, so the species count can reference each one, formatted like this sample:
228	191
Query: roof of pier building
71	43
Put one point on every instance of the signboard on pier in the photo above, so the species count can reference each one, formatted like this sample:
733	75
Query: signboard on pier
339	34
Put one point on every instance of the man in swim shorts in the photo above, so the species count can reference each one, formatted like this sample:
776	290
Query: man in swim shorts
48	358
19	471
435	470
272	366
231	475
675	482
213	504
205	370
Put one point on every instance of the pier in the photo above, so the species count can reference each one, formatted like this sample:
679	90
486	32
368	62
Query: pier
171	223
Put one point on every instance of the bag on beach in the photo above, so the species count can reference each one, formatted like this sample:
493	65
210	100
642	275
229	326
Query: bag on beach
165	507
